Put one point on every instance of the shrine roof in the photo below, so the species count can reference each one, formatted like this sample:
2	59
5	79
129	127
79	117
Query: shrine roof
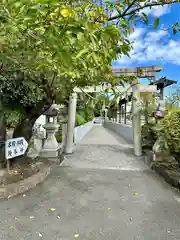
163	81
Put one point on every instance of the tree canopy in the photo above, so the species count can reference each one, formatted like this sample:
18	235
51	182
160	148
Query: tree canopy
47	47
76	41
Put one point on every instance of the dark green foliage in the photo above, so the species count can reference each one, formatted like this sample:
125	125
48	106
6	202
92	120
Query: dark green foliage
13	118
97	108
20	90
169	128
88	113
149	135
84	115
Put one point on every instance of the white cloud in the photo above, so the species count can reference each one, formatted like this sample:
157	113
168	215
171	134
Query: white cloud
157	11
136	34
149	46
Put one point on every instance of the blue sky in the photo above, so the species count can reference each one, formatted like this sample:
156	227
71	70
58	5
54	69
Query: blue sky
156	47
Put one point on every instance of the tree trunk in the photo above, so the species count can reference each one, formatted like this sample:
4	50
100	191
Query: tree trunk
2	136
24	129
2	140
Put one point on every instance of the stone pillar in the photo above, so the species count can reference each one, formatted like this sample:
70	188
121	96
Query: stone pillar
64	132
68	149
125	109
136	124
105	114
118	116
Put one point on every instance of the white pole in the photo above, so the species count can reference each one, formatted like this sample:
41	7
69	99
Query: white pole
136	124
105	114
64	133
71	124
118	111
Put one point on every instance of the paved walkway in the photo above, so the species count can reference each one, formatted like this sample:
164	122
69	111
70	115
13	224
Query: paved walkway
100	193
102	149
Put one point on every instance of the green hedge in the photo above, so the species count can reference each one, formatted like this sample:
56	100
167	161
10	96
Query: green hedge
84	115
80	120
89	112
170	130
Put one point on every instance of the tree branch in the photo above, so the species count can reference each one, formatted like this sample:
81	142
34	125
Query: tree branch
121	93
126	13
87	94
53	79
163	29
129	7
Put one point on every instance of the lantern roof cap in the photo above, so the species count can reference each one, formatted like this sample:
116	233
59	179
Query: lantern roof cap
52	111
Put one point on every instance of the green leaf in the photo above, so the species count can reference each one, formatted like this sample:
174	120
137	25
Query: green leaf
156	22
124	23
119	9
82	52
111	30
174	31
95	58
145	18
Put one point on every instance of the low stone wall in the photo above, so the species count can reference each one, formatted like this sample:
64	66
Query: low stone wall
121	129
81	131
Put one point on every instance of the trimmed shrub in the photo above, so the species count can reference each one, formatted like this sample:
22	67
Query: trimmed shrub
170	130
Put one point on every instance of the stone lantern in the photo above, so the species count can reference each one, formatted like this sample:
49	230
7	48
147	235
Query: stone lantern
50	147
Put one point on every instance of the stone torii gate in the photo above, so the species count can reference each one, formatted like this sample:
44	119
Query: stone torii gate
139	72
142	72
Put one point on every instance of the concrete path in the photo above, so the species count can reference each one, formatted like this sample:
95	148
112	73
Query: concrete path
100	193
103	149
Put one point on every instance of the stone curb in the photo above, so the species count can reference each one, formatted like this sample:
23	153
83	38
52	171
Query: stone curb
10	190
167	176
